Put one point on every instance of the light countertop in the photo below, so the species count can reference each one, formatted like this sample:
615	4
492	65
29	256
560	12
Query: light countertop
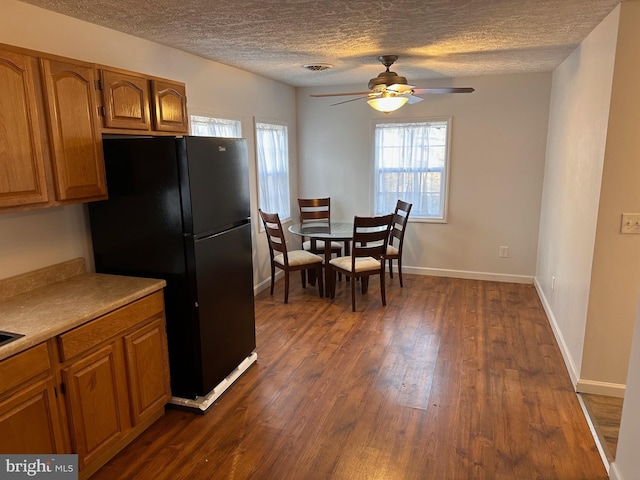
53	308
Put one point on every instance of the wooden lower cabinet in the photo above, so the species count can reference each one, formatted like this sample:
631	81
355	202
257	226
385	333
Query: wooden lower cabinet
90	390
115	372
147	369
29	421
97	404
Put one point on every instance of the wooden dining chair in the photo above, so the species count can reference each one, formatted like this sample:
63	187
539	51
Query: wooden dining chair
369	244
288	260
398	227
317	210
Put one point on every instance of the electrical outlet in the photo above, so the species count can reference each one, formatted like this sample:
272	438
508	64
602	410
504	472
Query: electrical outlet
503	252
630	223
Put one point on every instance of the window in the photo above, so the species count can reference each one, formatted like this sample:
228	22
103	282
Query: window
272	152
202	126
411	164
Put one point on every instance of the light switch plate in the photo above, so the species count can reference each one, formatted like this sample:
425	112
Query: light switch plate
630	223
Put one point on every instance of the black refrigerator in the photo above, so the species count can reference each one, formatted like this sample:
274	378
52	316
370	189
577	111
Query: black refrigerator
178	209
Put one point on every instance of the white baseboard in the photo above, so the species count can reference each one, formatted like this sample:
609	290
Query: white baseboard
435	272
601	388
594	434
443	272
614	474
263	285
568	361
579	384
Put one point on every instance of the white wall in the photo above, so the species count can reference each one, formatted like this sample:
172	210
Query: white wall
575	155
44	237
497	164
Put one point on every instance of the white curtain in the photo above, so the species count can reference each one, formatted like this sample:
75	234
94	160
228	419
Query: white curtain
215	127
273	169
410	164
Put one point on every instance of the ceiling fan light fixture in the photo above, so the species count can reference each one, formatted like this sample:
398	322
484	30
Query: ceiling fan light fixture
387	103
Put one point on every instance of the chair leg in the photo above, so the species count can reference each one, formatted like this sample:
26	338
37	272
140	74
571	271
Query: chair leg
353	295
400	270
273	277
390	269
304	279
286	286
365	284
382	289
311	273
320	281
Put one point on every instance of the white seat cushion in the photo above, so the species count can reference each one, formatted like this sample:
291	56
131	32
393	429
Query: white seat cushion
362	263
319	245
298	257
391	250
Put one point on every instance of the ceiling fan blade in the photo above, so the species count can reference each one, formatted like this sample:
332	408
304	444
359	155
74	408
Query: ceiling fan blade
413	99
421	91
338	94
347	101
400	87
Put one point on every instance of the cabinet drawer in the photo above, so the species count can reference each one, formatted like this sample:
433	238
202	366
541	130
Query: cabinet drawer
108	326
23	367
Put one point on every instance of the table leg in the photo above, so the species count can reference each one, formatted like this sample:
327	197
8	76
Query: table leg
328	278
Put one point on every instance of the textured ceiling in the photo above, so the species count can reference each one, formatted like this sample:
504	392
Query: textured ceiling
433	38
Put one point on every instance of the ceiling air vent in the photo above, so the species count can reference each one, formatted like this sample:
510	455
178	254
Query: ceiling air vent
317	67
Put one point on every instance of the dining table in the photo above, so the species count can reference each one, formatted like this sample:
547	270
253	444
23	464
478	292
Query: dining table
327	232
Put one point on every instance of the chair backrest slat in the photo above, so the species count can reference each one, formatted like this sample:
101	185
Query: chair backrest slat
370	236
315	209
400	218
275	234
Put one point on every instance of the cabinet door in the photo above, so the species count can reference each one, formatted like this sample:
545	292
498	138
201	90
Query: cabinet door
97	404
29	421
76	141
126	101
22	181
148	369
170	106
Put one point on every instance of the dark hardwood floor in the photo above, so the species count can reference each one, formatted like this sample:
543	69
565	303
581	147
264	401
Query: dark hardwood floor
455	379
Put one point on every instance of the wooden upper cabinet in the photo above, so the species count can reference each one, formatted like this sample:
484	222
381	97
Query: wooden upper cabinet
169	106
126	101
22	164
77	159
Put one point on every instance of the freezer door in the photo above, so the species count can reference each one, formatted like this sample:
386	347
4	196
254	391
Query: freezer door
214	183
224	276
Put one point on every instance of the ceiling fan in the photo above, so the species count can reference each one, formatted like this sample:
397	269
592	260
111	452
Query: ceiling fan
389	91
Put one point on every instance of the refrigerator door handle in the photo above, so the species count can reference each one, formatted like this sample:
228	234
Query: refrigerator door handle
217	234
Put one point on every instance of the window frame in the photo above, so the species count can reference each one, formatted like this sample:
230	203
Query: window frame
446	170
280	123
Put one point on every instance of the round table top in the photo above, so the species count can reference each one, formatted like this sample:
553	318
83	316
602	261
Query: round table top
322	230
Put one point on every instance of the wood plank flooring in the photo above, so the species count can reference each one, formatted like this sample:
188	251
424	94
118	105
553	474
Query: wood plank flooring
605	414
455	379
